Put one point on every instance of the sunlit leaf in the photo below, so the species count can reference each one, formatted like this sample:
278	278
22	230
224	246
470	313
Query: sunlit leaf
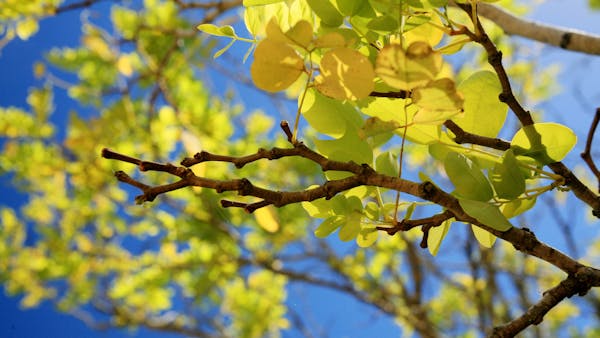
507	178
345	75
555	142
469	181
485	238
483	114
267	218
486	213
276	66
437	235
408	69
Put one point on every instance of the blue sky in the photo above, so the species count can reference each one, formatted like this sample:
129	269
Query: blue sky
15	79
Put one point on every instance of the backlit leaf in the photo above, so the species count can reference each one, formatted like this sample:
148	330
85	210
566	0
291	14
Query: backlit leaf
345	75
267	218
555	142
468	180
366	237
483	114
326	11
276	66
485	213
485	238
507	178
437	235
329	225
438	101
408	69
351	228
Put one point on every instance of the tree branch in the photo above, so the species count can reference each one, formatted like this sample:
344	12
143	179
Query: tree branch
507	96
564	38
575	284
587	153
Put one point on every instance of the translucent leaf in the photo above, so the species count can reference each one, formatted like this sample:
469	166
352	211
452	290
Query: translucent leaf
438	101
348	148
215	30
351	228
485	238
350	7
427	30
437	235
468	180
517	207
507	178
556	142
267	218
483	114
485	213
408	69
345	75
326	11
393	110
329	225
328	116
387	164
375	126
366	237
276	66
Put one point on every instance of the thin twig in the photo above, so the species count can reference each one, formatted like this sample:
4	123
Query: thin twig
587	153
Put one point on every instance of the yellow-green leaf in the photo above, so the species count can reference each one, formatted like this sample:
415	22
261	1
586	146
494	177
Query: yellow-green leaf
408	69
485	238
276	66
436	236
345	75
439	100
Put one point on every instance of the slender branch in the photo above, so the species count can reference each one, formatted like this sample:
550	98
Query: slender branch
403	94
575	284
564	38
586	155
461	136
507	96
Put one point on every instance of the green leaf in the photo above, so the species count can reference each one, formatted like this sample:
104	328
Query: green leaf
507	177
483	114
469	181
326	11
554	143
351	228
393	110
328	116
437	235
486	213
387	164
215	30
224	49
517	207
485	238
367	236
348	148
329	225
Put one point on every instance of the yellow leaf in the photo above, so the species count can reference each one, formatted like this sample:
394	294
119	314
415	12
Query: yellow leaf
124	65
267	218
301	33
330	40
26	28
345	75
485	238
97	45
429	32
408	69
438	101
276	66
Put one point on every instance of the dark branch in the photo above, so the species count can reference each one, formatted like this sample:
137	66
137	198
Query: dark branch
575	284
587	153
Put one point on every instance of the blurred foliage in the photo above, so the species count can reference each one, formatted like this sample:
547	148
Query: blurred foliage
182	263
